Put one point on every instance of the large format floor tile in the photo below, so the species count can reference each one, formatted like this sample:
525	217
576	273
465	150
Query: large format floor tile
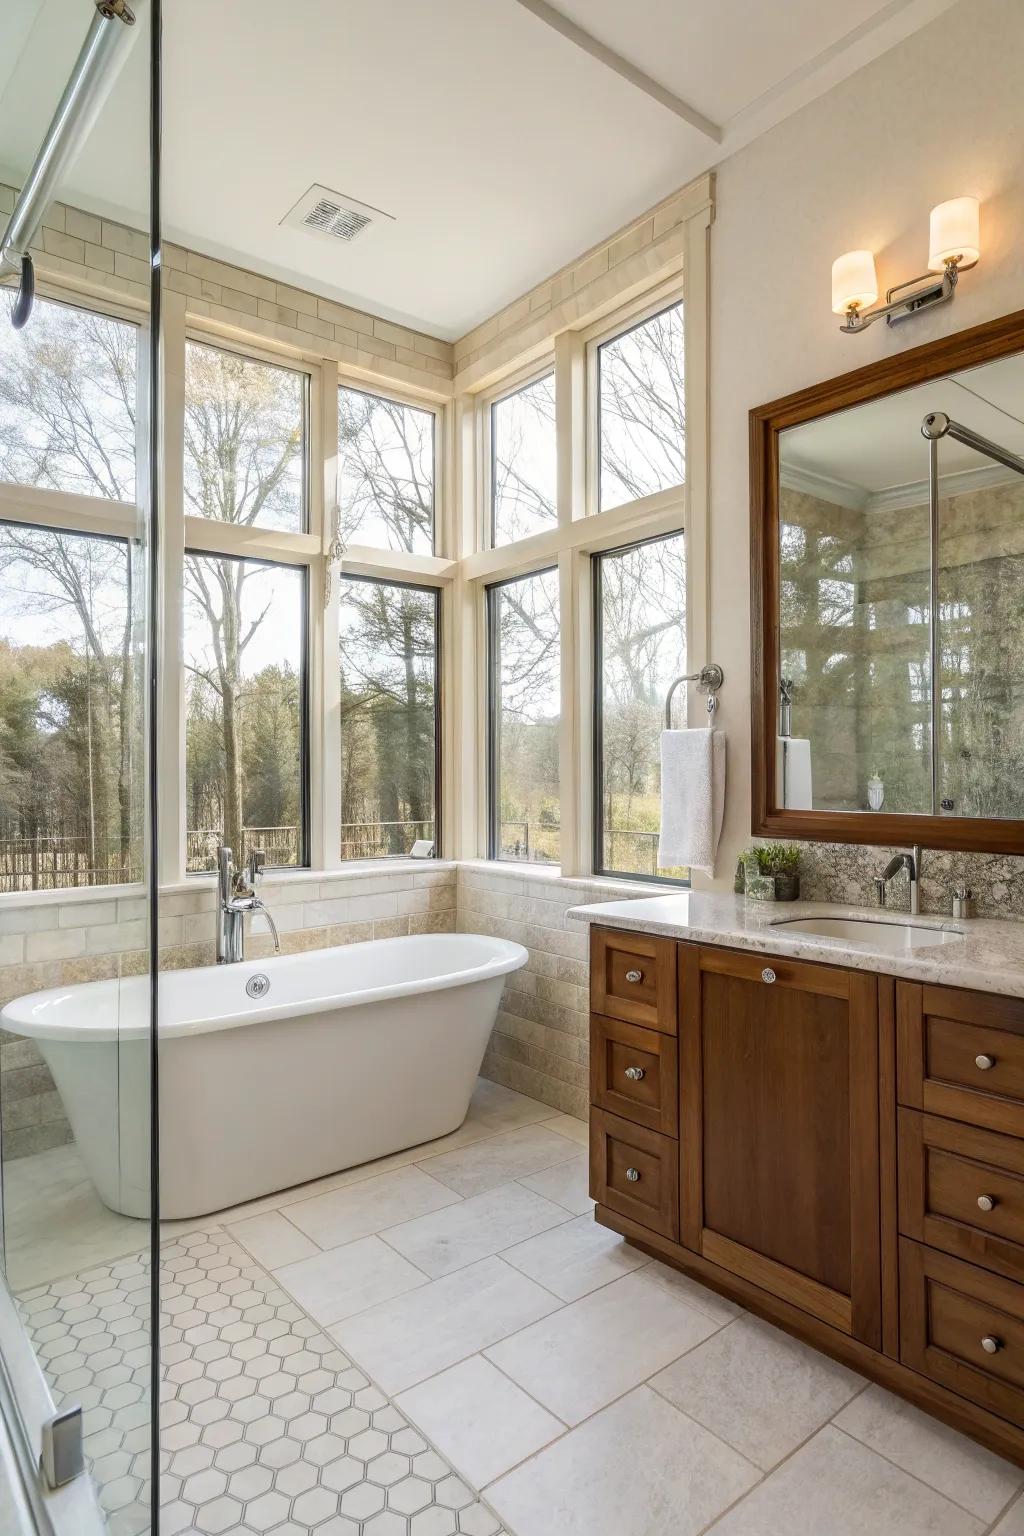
461	1234
575	1258
502	1109
835	1486
639	1468
273	1240
597	1348
513	1154
758	1389
567	1184
479	1419
965	1472
362	1209
343	1281
401	1342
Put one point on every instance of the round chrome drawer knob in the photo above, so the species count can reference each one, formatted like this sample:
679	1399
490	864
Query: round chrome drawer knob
987	1202
635	1074
634	977
768	974
991	1345
984	1063
633	1175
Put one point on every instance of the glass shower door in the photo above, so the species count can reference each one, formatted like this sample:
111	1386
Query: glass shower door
76	1017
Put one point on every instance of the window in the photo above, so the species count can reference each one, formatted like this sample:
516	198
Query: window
245	440
67	401
244	618
523	469
245	696
71	796
388	655
640	646
524	667
641	422
385	473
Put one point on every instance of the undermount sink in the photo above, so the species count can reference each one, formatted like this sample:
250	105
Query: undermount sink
893	938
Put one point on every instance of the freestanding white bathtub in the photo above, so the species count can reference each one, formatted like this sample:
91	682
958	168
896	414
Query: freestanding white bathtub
272	1072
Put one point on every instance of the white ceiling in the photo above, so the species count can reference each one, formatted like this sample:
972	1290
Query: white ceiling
501	148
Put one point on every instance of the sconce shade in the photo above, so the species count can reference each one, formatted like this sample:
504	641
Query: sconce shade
953	232
854	284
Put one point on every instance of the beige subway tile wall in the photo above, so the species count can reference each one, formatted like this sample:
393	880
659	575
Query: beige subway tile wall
96	254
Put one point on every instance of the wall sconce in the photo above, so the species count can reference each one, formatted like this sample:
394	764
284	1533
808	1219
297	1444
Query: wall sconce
953	247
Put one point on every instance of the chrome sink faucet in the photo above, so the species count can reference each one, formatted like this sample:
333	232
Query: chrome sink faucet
236	895
911	862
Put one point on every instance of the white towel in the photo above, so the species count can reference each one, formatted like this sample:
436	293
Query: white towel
793	786
692	798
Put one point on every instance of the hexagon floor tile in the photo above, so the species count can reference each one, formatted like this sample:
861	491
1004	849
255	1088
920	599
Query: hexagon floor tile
267	1429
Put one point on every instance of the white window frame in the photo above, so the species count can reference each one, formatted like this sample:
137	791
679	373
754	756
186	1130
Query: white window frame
463	563
512	384
582	531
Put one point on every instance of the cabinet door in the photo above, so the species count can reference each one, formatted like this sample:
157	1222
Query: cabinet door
779	1129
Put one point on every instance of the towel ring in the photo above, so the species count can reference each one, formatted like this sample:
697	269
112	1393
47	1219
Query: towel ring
709	679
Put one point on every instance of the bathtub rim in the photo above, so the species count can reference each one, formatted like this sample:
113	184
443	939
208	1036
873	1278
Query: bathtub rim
30	1016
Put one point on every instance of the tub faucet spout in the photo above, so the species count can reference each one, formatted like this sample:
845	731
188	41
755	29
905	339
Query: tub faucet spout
236	895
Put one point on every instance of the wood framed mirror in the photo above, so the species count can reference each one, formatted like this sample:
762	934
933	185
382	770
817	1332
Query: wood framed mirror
887	600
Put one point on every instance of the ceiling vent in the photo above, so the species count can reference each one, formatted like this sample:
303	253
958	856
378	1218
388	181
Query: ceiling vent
333	215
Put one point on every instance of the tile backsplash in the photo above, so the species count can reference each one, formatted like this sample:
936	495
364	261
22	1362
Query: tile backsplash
845	872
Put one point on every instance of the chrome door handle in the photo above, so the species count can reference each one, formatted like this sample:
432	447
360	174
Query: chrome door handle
634	976
633	1175
984	1063
635	1074
987	1202
991	1345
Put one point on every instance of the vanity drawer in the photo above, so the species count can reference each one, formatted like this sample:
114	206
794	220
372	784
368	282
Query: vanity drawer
633	978
634	1073
963	1327
635	1172
962	1189
961	1055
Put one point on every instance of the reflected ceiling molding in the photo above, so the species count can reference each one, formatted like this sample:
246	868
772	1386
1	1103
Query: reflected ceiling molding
811	482
615	62
899	498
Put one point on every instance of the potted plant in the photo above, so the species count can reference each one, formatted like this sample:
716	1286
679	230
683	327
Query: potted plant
782	862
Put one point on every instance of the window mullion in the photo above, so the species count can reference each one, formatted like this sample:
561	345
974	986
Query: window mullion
325	707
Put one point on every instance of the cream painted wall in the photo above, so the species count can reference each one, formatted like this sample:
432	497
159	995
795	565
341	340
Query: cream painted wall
940	115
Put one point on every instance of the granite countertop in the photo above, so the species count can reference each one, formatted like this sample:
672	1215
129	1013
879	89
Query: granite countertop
983	954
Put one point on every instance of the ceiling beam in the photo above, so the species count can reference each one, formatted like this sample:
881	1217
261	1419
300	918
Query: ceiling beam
614	61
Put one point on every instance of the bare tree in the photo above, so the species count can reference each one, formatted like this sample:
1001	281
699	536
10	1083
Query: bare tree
523	432
385	472
642	411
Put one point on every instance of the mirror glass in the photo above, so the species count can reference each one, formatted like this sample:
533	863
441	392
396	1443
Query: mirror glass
860	726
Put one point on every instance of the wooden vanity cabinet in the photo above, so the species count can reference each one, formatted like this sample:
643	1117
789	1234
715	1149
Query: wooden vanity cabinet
780	1129
839	1152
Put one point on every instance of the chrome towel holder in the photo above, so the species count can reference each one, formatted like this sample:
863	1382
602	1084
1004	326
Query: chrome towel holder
709	679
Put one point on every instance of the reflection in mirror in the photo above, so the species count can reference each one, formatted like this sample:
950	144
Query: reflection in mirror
856	702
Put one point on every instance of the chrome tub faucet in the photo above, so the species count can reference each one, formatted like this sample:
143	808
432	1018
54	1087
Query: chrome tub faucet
236	895
911	862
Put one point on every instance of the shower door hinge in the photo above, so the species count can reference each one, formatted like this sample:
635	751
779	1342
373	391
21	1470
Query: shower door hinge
62	1458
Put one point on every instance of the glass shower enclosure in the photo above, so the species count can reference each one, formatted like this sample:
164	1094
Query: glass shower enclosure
79	311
